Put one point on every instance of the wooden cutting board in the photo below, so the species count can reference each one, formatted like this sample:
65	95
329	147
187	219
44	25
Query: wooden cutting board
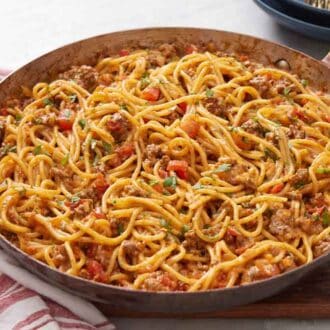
309	298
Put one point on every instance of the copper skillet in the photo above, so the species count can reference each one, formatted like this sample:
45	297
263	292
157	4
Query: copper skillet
87	51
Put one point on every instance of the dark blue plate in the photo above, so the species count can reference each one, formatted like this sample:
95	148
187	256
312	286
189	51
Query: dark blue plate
308	13
274	9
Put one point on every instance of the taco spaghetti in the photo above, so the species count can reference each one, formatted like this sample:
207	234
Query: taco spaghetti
162	170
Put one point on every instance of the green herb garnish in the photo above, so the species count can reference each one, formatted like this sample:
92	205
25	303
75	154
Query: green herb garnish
153	182
323	170
20	190
82	123
120	228
171	181
73	98
223	168
286	91
7	148
107	147
75	199
165	224
198	186
209	92
65	160
18	117
184	229
326	218
37	121
67	113
299	184
47	102
304	82
37	150
270	154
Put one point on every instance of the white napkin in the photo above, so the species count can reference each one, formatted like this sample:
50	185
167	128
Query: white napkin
23	304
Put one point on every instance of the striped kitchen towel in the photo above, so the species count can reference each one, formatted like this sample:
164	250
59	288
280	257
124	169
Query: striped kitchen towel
27	302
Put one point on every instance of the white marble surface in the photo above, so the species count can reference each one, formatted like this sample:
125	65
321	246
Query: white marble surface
30	28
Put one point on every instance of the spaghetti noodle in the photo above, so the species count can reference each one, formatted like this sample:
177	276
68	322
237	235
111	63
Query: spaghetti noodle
164	171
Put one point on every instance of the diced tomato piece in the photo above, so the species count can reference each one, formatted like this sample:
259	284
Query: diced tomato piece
65	119
182	108
100	184
163	174
158	187
233	232
180	167
191	49
304	101
98	213
95	271
241	142
327	118
191	127
114	126
125	151
124	52
4	112
296	112
277	188
151	94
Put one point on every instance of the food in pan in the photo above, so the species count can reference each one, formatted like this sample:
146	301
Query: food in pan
168	170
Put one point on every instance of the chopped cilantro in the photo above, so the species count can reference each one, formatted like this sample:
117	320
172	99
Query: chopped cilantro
270	154
223	168
304	82
20	190
153	182
75	199
171	181
73	98
326	218
209	92
18	117
47	101
67	113
82	123
114	202
37	121
323	170
7	148
107	147
123	107
198	186
65	160
37	150
96	160
166	193
165	224
286	91
184	229
299	184
120	228
206	226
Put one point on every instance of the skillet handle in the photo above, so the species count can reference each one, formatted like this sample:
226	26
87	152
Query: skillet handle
326	60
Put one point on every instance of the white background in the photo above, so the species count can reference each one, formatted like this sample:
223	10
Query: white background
29	28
